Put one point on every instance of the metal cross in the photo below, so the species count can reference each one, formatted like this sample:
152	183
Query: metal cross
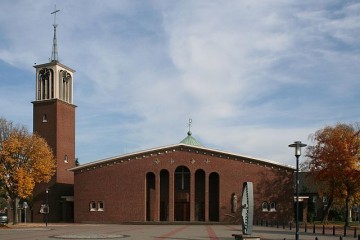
189	124
54	12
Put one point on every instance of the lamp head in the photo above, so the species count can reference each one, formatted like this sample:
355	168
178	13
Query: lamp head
297	145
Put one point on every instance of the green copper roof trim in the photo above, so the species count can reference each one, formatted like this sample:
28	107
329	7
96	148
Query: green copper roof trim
190	140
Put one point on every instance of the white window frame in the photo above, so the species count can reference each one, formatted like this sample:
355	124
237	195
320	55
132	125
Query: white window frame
272	207
44	118
264	207
92	206
101	209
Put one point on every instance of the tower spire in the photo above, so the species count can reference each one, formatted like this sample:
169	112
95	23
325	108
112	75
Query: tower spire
54	53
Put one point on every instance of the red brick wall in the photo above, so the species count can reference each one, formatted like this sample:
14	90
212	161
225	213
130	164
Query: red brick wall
121	186
65	141
59	132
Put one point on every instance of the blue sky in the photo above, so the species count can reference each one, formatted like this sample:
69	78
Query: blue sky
254	75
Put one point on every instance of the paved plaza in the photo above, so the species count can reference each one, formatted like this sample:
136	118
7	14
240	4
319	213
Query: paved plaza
144	232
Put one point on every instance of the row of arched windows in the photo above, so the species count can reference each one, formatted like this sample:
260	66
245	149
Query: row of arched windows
268	207
99	206
182	184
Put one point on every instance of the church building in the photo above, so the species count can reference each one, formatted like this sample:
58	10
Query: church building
182	182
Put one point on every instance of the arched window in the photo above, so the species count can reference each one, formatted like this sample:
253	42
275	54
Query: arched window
214	196
182	194
265	207
164	195
200	195
44	118
65	86
100	206
273	207
45	86
150	196
92	206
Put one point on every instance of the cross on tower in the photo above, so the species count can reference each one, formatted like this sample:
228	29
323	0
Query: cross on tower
54	53
54	12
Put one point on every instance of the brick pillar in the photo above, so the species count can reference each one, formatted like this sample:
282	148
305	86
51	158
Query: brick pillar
206	197
171	196
157	198
192	196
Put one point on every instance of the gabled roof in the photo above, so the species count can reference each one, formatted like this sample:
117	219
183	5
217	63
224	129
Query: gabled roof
181	146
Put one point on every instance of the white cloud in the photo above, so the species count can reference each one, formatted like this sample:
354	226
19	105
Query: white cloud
254	76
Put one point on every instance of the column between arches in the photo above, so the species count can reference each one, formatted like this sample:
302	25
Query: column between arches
171	196
192	196
206	197
157	198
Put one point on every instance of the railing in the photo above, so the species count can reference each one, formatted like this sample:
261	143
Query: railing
324	230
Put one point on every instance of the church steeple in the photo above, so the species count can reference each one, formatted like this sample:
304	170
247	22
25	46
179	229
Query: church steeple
54	53
54	80
54	120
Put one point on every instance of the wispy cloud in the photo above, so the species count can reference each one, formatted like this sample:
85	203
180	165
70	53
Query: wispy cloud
254	75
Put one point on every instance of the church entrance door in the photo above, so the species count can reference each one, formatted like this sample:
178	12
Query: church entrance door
182	194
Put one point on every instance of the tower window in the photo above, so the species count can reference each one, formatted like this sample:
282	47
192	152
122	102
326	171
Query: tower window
66	159
65	86
45	86
44	118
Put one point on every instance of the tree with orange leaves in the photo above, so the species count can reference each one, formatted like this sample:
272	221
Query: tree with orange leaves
25	159
334	160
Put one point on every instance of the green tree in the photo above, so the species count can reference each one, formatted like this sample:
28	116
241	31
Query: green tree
25	159
334	160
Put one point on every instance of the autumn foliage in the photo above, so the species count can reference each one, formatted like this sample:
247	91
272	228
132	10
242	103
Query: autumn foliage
25	159
334	161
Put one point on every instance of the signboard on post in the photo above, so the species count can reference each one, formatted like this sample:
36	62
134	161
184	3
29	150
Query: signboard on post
25	206
44	208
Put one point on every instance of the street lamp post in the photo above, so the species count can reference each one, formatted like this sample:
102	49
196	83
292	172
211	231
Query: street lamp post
47	206
297	145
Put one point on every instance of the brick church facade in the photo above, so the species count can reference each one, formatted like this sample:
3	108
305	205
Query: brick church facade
182	182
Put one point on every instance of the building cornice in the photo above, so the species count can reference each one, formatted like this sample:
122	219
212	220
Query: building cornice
53	63
53	100
182	147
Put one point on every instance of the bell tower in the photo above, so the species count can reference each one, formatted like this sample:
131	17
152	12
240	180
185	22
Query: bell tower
54	120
